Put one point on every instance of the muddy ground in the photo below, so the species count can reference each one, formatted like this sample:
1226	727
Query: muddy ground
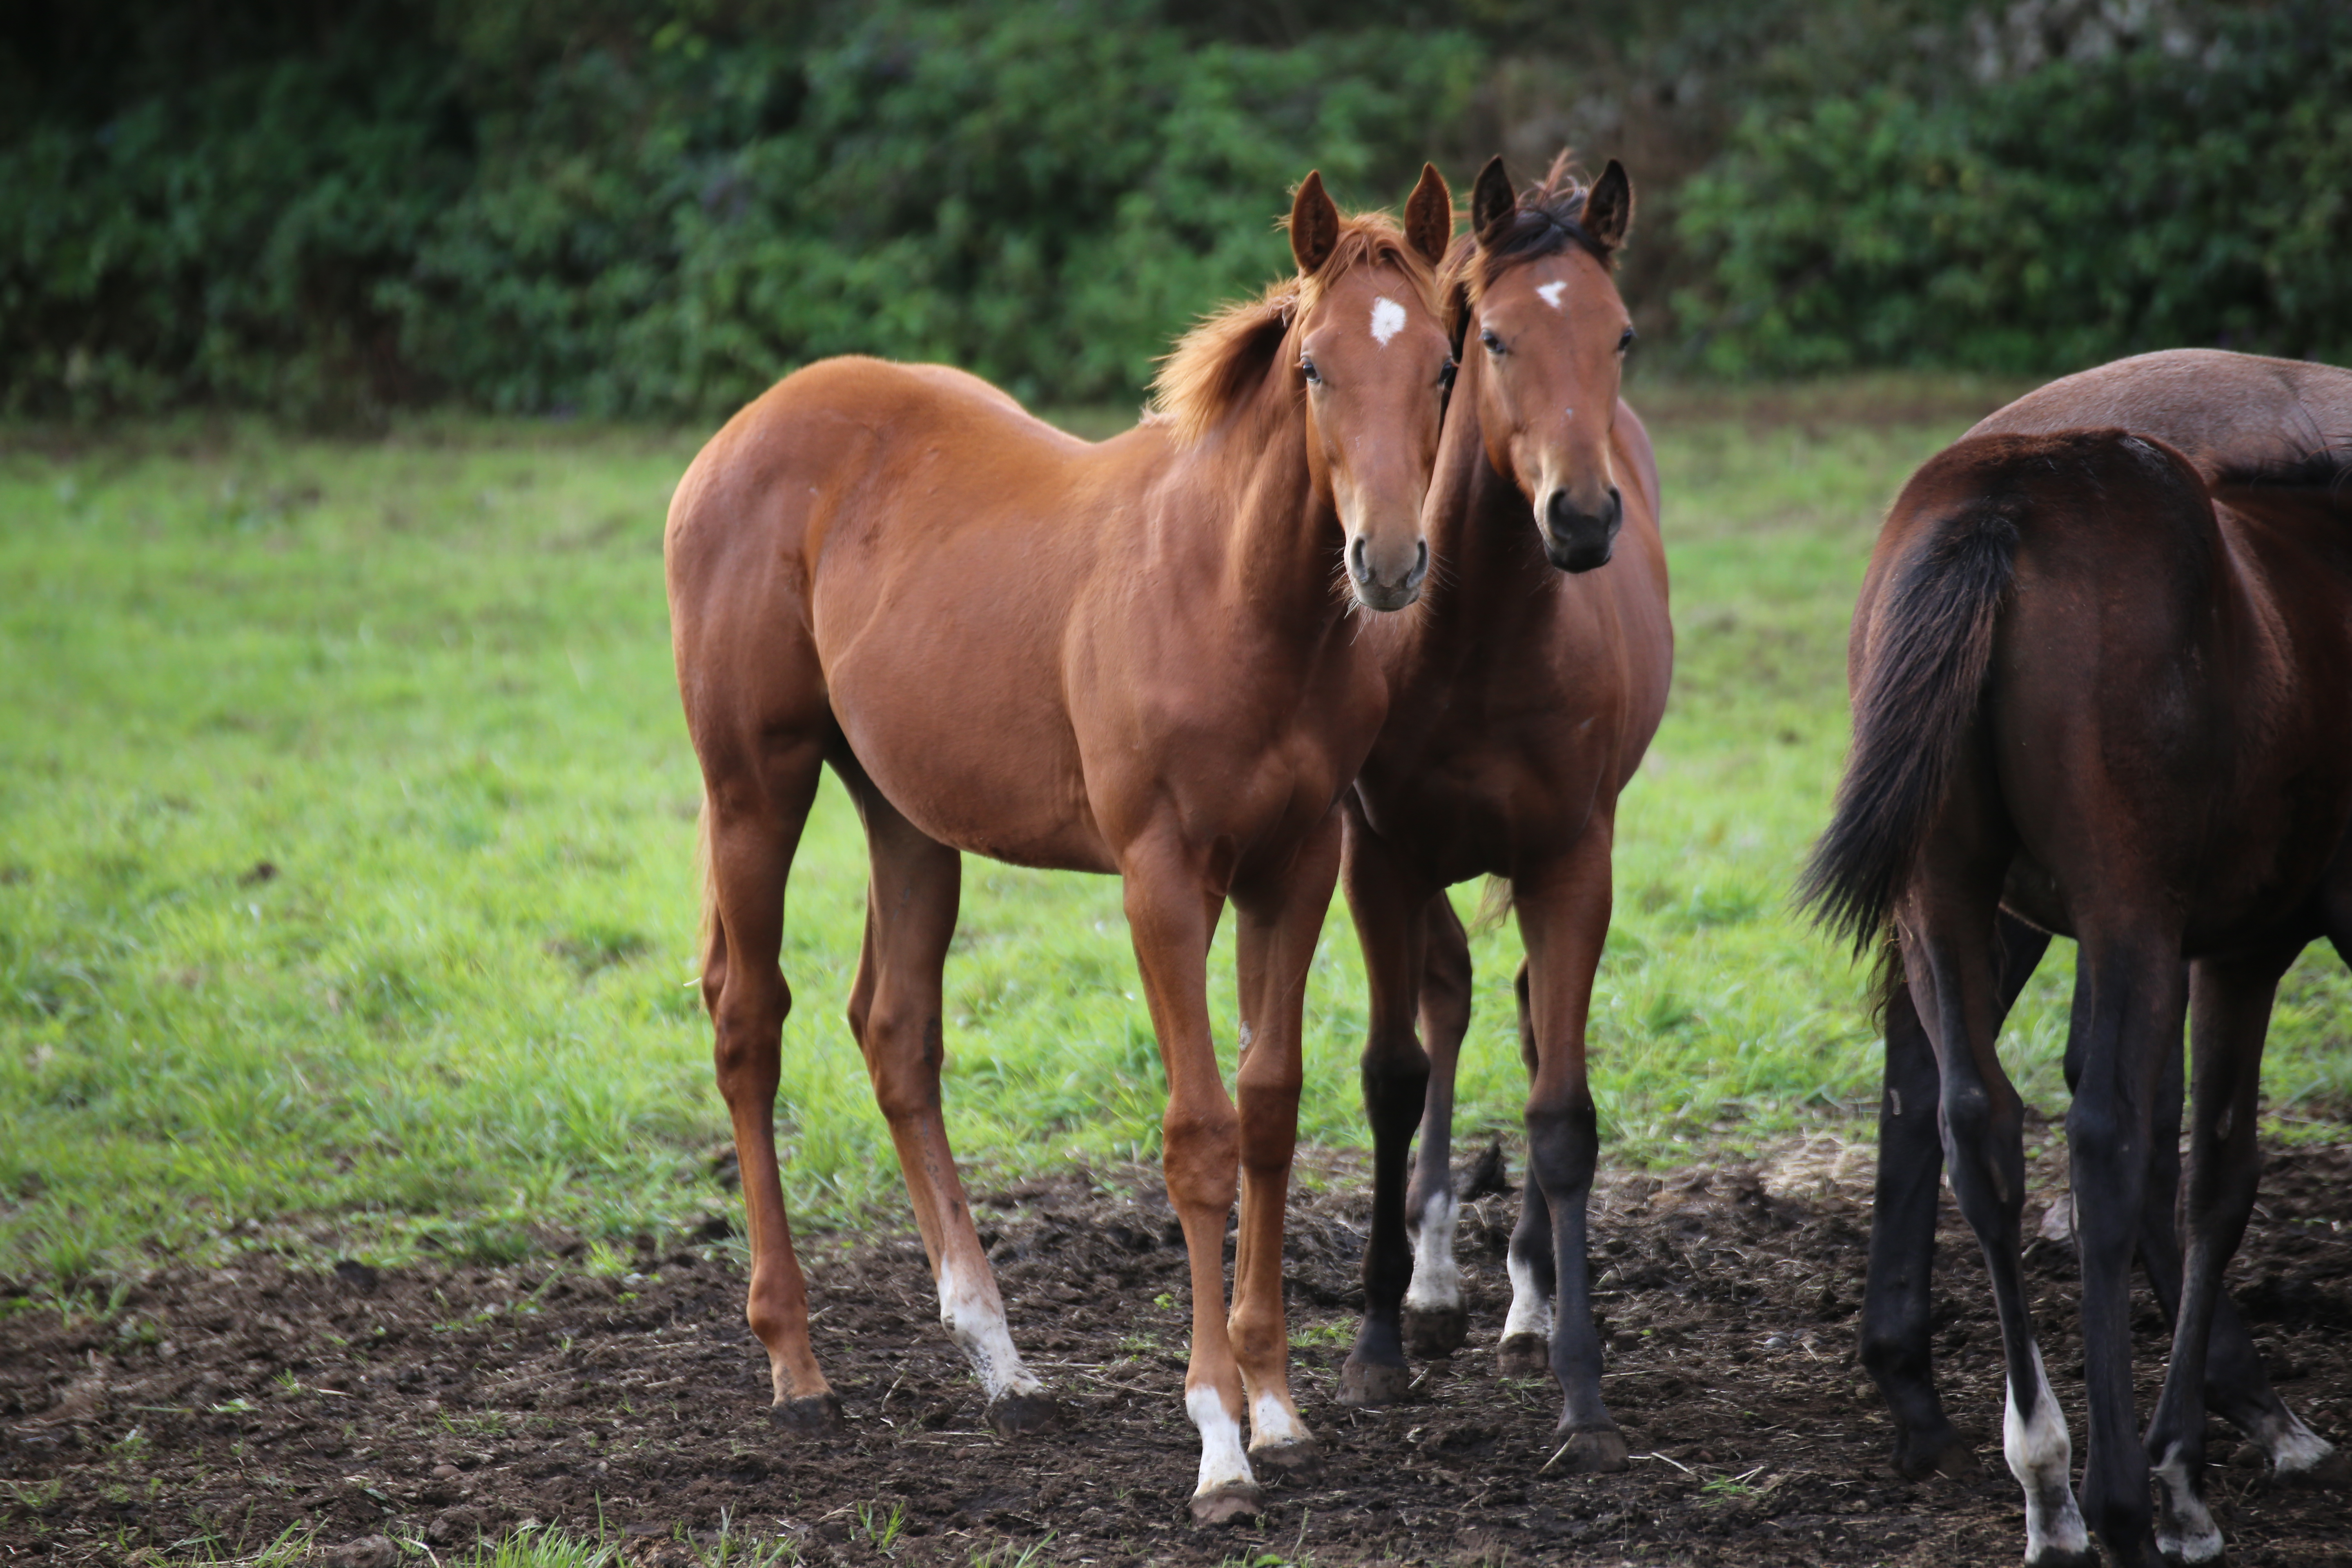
443	1405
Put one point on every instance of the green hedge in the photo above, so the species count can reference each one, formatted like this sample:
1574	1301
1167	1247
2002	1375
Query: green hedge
327	208
2152	197
665	219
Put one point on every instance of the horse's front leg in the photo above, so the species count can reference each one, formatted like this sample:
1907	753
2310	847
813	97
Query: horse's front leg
1564	917
1385	904
1280	919
1170	915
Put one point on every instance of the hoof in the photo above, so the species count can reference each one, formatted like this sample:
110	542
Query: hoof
1371	1384
1524	1355
1299	1457
1225	1504
814	1416
1016	1414
2333	1473
2058	1557
1596	1452
2201	1549
1433	1331
1948	1456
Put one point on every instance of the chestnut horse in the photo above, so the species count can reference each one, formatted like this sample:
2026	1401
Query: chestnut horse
1523	696
2218	409
1132	658
2104	687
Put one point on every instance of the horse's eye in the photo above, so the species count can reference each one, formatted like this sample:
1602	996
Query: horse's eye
1486	336
1625	339
1306	368
1445	376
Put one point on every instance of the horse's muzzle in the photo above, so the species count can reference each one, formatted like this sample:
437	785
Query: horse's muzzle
1575	539
1376	591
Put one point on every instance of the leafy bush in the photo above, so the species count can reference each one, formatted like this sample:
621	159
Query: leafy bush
228	241
666	216
654	207
2160	195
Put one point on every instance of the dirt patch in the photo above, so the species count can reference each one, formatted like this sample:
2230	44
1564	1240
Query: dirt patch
218	1408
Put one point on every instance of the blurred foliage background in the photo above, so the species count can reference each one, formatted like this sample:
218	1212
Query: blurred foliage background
330	210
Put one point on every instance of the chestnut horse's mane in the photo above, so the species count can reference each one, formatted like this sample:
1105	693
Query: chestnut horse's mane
1213	368
1549	220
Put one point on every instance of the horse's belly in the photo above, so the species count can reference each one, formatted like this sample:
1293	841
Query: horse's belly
972	770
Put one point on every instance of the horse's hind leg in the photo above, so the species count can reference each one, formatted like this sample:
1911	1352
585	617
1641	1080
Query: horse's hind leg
2232	1009
1948	925
2129	998
896	1013
1897	1324
755	816
1435	1321
1390	926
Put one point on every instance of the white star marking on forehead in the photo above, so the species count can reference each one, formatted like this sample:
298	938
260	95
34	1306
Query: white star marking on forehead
1550	292
1388	319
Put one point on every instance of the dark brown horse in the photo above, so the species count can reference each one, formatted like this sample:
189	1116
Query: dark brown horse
1143	658
2219	409
1523	696
2101	685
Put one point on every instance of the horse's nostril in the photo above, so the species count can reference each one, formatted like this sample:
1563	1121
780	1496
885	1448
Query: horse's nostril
1420	565
1357	563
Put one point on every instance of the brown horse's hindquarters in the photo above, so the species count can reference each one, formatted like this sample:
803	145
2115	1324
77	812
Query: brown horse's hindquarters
2096	686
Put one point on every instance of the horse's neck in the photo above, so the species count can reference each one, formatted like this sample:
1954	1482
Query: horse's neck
1490	577
1279	543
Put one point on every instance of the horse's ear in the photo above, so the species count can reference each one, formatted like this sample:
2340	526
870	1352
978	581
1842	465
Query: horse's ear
1609	207
1428	215
1492	203
1314	225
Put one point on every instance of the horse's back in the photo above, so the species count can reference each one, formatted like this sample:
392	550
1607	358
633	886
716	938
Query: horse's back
855	419
2214	406
895	460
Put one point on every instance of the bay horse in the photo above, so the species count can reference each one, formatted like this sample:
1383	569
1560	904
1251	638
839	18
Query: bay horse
1523	695
2221	410
2101	686
1142	657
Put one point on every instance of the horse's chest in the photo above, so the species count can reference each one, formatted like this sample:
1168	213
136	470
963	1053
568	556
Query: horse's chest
1271	794
1480	807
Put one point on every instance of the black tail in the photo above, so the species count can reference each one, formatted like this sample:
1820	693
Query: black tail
1927	663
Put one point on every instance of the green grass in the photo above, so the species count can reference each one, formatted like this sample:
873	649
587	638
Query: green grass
346	842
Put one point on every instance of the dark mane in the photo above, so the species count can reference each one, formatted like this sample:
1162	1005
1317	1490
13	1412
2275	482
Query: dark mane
2325	476
1213	367
1549	220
